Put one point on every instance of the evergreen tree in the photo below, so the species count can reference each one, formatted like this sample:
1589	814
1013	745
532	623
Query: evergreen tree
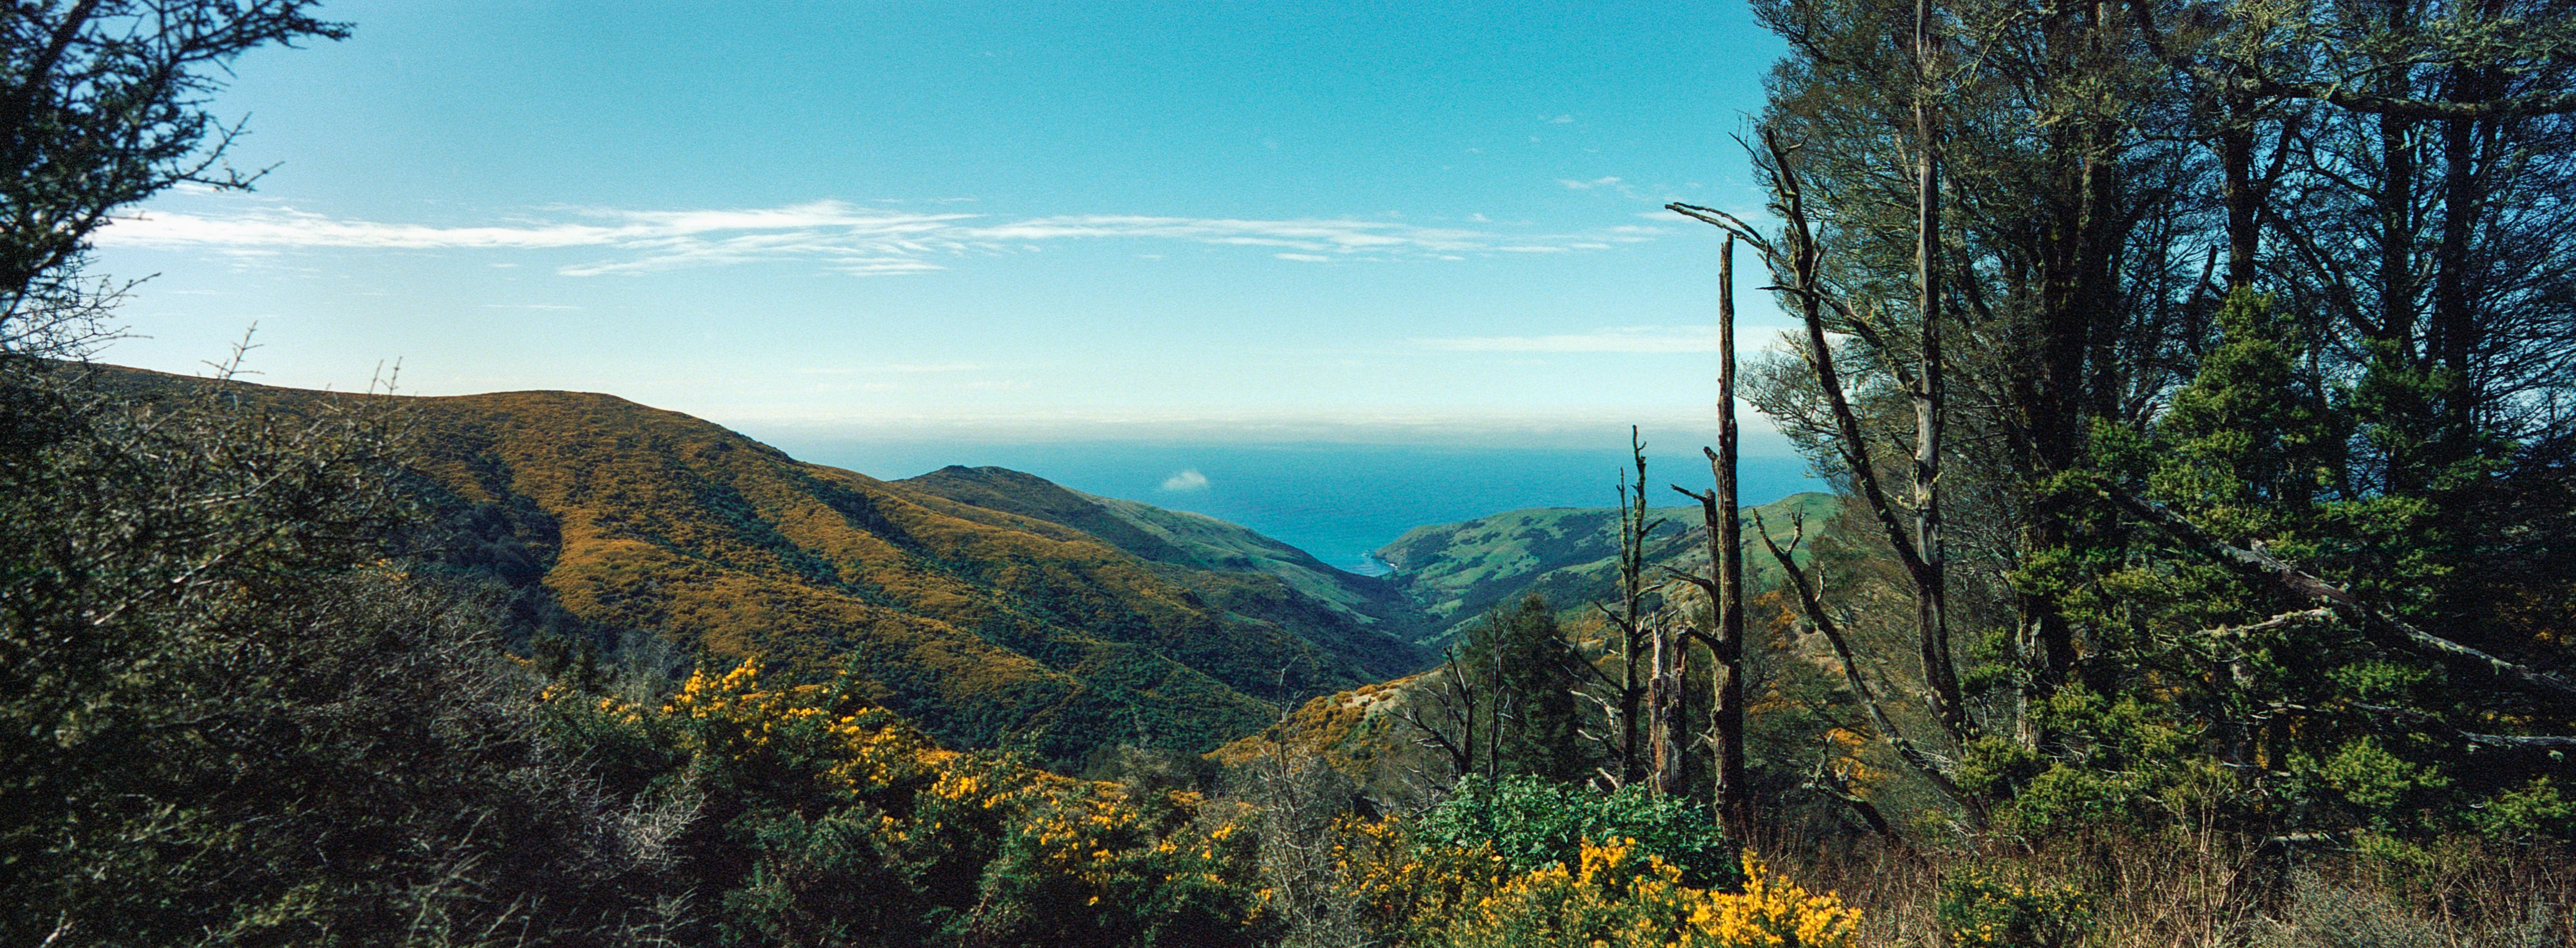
1518	660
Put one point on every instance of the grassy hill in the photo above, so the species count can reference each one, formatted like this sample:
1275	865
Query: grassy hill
1456	571
1044	623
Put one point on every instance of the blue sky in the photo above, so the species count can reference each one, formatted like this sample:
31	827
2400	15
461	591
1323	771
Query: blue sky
1235	222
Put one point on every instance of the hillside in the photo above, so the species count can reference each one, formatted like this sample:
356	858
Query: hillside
1456	571
989	623
1231	566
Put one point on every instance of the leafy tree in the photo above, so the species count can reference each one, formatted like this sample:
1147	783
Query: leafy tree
1504	702
2274	528
229	717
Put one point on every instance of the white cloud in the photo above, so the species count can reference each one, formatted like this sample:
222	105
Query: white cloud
1186	481
1588	185
1622	339
863	241
1560	120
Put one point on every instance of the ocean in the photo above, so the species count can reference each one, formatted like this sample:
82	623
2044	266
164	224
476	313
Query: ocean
1340	502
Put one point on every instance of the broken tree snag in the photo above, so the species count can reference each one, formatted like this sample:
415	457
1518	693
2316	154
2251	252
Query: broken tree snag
1629	620
1732	791
2379	627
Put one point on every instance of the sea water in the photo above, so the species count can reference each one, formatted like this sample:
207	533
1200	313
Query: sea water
1339	502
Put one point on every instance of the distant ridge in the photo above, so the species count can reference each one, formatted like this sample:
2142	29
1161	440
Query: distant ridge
1456	571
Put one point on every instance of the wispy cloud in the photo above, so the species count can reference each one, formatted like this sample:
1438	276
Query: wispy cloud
905	368
1588	185
1622	339
866	241
1186	481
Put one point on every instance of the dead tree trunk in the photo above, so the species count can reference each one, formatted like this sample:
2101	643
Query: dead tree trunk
1720	511
1670	752
1630	625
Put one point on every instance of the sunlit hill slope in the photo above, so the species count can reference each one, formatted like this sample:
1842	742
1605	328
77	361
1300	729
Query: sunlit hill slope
992	608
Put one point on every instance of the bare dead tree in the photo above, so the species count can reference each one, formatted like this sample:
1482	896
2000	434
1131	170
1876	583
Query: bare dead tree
1296	801
1628	621
1719	510
1451	728
1668	752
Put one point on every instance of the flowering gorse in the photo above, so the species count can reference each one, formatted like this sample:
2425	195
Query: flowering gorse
1611	896
858	815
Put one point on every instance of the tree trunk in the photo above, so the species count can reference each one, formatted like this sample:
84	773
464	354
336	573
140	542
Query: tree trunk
2244	202
1726	558
1931	595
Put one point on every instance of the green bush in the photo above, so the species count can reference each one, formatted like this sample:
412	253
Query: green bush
1978	910
1532	824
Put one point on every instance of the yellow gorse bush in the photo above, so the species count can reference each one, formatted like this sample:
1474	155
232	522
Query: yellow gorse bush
737	718
1615	898
1075	844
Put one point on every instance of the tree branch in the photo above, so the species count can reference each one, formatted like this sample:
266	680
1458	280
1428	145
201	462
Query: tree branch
2376	625
1931	766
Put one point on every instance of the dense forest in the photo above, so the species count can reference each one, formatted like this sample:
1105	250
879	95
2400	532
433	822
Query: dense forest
2197	382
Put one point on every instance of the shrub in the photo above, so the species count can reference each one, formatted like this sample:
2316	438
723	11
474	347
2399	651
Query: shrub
1978	910
1613	896
834	822
1531	824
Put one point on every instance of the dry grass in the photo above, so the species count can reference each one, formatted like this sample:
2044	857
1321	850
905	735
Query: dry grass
2209	890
